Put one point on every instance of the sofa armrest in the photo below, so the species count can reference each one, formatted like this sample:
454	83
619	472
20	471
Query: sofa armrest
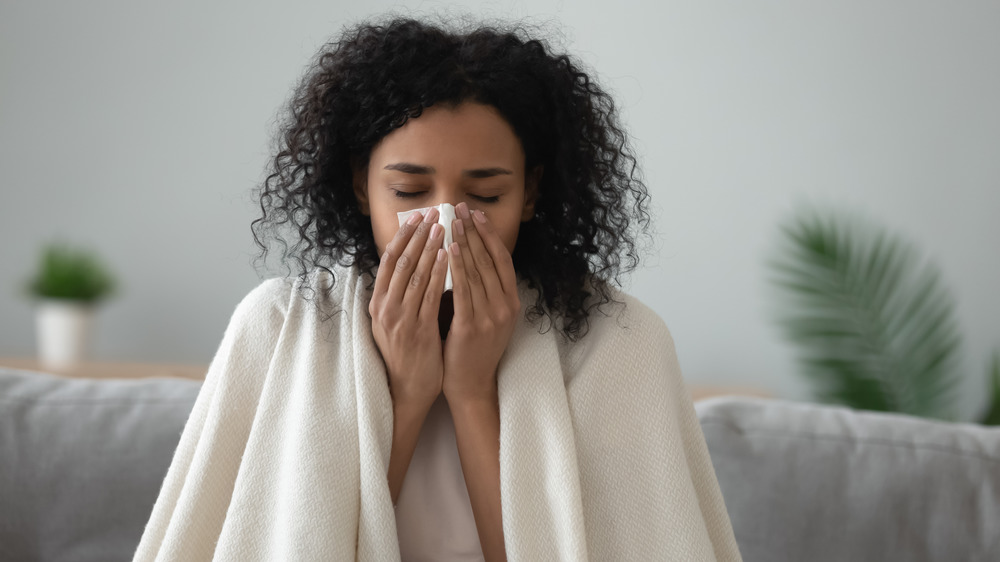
825	483
82	461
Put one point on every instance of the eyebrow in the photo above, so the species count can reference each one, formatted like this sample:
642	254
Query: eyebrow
478	173
486	172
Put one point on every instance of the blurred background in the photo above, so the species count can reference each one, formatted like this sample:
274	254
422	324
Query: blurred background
139	130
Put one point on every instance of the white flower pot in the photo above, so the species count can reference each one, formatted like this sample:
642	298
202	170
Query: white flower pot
63	329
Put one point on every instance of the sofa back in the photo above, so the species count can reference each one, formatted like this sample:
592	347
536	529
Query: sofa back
825	483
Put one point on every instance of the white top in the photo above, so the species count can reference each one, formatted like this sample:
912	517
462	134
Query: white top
434	517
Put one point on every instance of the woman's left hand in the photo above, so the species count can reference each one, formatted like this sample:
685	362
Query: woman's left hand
486	308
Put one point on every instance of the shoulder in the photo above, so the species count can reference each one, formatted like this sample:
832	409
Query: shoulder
623	327
267	301
625	317
270	293
280	297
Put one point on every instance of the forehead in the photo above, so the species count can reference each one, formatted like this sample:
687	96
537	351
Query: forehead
468	135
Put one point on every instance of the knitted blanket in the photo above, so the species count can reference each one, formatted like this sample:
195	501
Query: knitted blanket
286	451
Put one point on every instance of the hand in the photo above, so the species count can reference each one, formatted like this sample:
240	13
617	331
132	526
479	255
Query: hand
404	310
486	308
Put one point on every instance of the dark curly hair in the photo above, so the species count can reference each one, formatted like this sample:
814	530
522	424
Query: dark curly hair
591	208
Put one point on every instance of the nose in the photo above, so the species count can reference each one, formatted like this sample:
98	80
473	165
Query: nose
447	200
448	212
448	191
447	204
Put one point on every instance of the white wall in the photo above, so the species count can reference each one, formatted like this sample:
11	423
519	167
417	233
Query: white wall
140	131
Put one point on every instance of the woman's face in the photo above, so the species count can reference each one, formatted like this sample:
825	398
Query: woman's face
467	153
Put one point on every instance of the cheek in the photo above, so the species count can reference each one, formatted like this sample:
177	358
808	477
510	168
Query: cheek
506	222
384	229
508	233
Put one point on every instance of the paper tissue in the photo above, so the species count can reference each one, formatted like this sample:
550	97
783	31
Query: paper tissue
445	218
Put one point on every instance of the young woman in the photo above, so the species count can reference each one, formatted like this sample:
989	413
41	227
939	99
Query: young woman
357	410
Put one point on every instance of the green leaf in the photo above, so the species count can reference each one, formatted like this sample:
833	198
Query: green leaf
68	273
992	415
874	327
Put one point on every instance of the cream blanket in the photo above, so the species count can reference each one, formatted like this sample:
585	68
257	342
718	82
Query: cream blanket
285	454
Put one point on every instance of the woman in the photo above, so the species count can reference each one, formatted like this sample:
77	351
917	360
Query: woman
532	412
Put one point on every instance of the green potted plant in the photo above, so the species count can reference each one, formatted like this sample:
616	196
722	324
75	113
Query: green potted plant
67	286
872	321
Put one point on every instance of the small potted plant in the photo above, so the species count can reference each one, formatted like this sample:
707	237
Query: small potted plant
68	286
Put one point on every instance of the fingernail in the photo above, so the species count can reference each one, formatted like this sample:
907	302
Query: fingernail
431	216
436	231
459	228
454	249
441	254
479	216
463	210
414	219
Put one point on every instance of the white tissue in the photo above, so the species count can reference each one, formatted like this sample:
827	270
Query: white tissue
445	218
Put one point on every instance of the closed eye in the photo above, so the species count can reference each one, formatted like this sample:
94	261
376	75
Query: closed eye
406	194
413	194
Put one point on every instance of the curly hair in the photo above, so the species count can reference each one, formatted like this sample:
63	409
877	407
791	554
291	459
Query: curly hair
591	208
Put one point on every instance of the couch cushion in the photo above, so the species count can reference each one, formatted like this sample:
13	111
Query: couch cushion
82	461
825	483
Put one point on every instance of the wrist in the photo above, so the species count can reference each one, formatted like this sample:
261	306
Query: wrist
469	386
412	406
472	402
411	393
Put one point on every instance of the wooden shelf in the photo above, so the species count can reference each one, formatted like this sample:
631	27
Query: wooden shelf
703	391
109	369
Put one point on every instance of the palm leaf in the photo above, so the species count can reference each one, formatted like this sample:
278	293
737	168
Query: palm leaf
873	324
992	415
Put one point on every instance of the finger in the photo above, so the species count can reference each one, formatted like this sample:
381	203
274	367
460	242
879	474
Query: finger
431	302
417	286
461	297
482	258
502	259
474	277
407	261
393	249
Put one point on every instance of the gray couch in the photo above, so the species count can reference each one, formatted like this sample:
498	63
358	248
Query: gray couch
81	462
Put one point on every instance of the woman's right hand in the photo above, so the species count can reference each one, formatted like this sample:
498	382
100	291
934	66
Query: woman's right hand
404	310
